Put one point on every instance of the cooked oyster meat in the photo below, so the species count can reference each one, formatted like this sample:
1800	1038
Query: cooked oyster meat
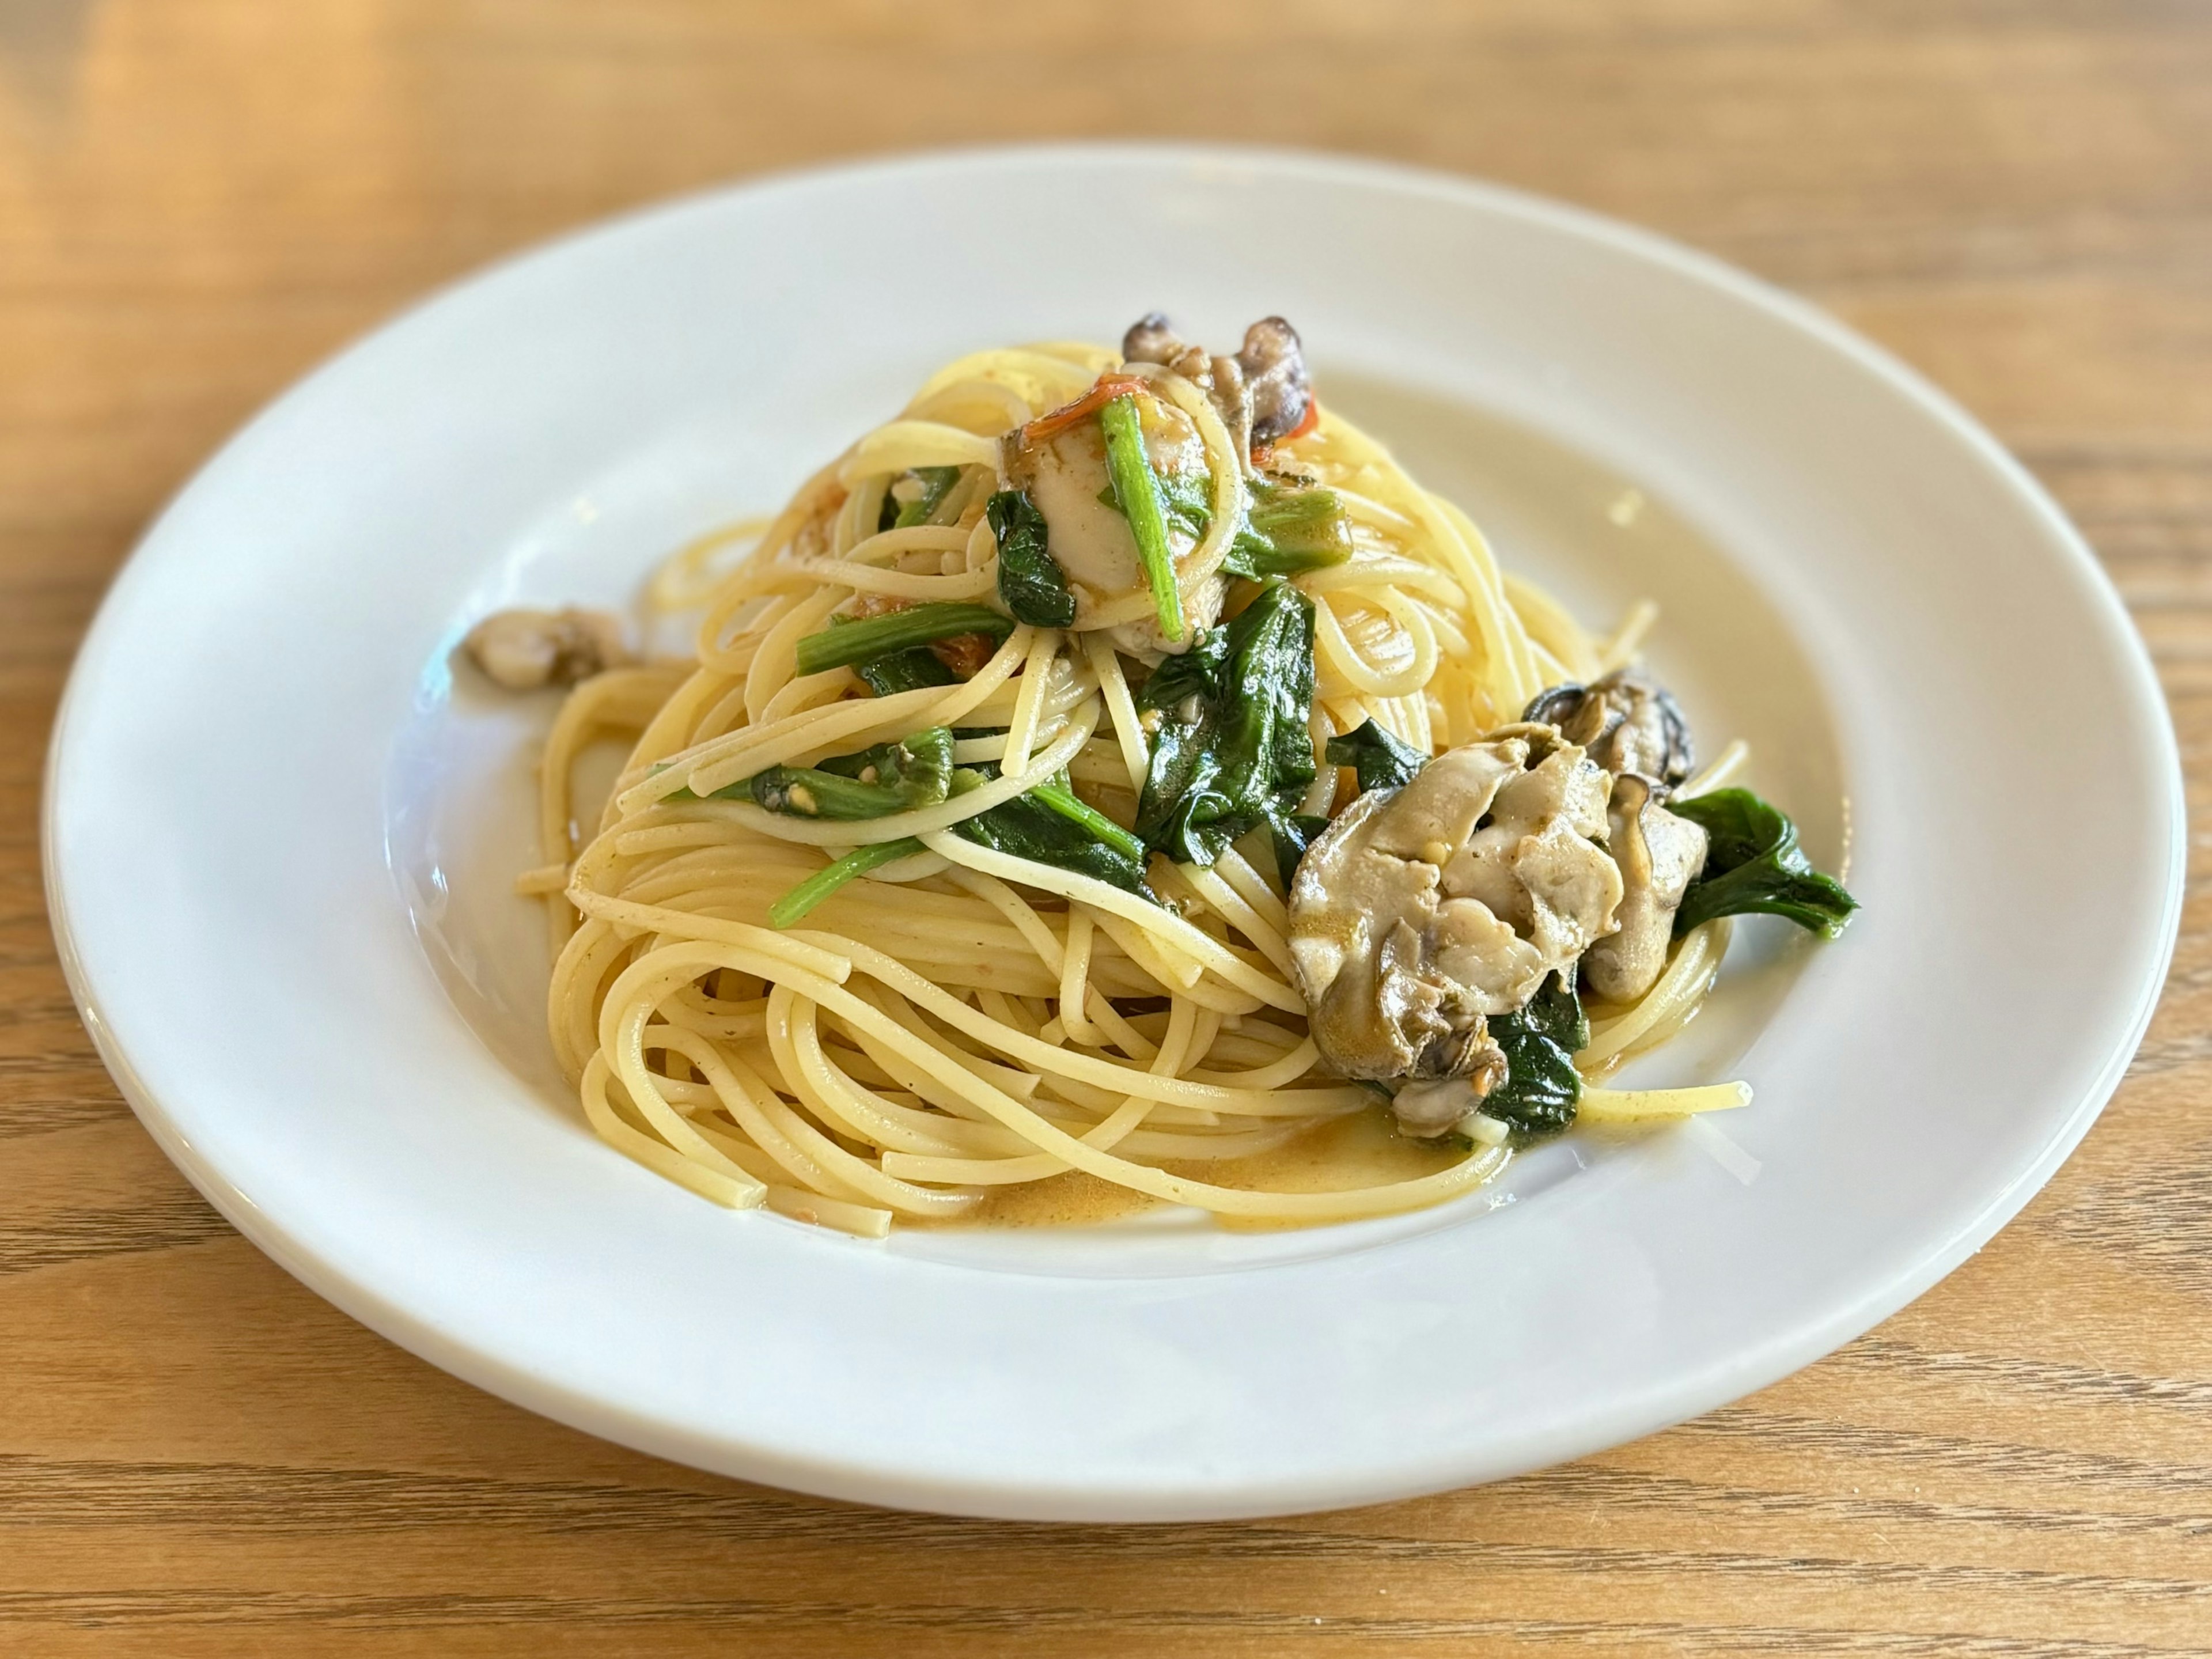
1658	854
1421	911
1626	721
1263	392
523	650
1152	339
1064	475
1274	367
1429	1109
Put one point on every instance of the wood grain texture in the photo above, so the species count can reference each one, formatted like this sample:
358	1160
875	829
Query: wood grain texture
199	198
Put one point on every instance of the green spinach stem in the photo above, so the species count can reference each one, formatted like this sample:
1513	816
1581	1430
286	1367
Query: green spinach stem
846	643
1065	801
824	882
1139	492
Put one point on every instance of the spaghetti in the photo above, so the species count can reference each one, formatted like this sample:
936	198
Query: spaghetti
949	1017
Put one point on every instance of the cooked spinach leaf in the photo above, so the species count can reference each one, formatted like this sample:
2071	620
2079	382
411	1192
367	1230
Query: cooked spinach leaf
1232	750
1754	863
1038	826
1291	836
1185	500
909	670
904	671
1543	1088
1380	760
1032	583
1289	528
848	641
1556	1012
936	484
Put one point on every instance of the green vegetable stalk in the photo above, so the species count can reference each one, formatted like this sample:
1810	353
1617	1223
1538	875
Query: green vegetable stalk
1185	500
795	904
1064	800
1290	527
1754	863
1137	493
919	765
848	642
1232	750
891	777
1032	583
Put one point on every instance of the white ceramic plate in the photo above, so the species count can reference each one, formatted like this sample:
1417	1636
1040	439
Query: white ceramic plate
279	834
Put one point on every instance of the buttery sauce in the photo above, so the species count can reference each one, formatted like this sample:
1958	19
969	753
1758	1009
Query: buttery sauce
1362	1149
1074	1199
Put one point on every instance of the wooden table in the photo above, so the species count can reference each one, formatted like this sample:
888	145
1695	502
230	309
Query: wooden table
200	198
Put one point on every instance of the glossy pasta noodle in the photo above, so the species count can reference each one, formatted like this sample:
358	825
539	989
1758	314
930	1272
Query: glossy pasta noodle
960	1018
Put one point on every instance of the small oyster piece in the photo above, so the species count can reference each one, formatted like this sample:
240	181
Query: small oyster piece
1659	855
523	650
1628	722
